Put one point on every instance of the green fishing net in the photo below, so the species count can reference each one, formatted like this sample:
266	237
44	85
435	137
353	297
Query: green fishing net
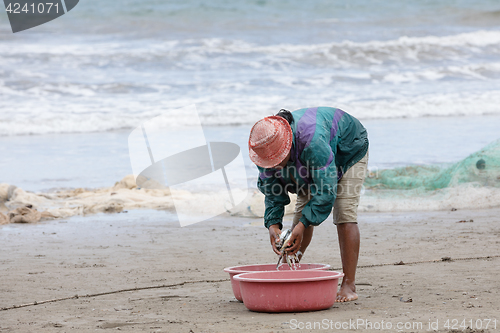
481	168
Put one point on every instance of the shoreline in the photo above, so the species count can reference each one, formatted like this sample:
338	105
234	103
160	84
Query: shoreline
83	161
103	253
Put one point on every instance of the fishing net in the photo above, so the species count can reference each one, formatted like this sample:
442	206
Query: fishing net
481	168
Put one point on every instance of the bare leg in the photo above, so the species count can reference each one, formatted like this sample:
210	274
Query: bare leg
348	234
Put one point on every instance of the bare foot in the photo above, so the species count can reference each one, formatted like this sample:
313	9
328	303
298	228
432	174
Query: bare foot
347	293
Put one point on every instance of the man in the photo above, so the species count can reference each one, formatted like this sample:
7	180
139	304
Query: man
321	154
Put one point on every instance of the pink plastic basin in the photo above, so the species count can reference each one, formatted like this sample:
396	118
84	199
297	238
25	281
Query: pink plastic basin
264	268
289	291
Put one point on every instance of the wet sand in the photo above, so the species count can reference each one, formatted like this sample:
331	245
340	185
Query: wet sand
105	253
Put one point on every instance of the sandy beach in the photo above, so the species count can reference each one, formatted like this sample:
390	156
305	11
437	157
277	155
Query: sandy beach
114	88
182	286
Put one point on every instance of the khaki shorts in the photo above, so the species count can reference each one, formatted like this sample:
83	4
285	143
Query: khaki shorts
345	208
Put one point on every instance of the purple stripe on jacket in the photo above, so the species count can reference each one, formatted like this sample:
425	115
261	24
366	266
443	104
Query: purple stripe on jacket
266	174
335	123
333	131
306	127
330	159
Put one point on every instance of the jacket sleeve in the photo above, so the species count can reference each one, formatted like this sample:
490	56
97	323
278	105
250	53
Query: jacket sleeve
276	197
320	160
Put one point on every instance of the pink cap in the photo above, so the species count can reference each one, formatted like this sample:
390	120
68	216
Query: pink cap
270	141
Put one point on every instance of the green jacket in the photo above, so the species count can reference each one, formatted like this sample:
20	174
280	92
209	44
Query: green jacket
326	143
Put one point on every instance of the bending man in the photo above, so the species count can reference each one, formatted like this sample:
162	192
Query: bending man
321	154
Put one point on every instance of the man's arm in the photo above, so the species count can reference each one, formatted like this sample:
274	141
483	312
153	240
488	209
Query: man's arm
321	164
320	161
276	197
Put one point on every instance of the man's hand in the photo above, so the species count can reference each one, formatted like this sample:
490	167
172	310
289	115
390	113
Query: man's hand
296	239
274	236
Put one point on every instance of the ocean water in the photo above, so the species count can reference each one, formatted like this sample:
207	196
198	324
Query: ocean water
111	65
46	162
423	76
